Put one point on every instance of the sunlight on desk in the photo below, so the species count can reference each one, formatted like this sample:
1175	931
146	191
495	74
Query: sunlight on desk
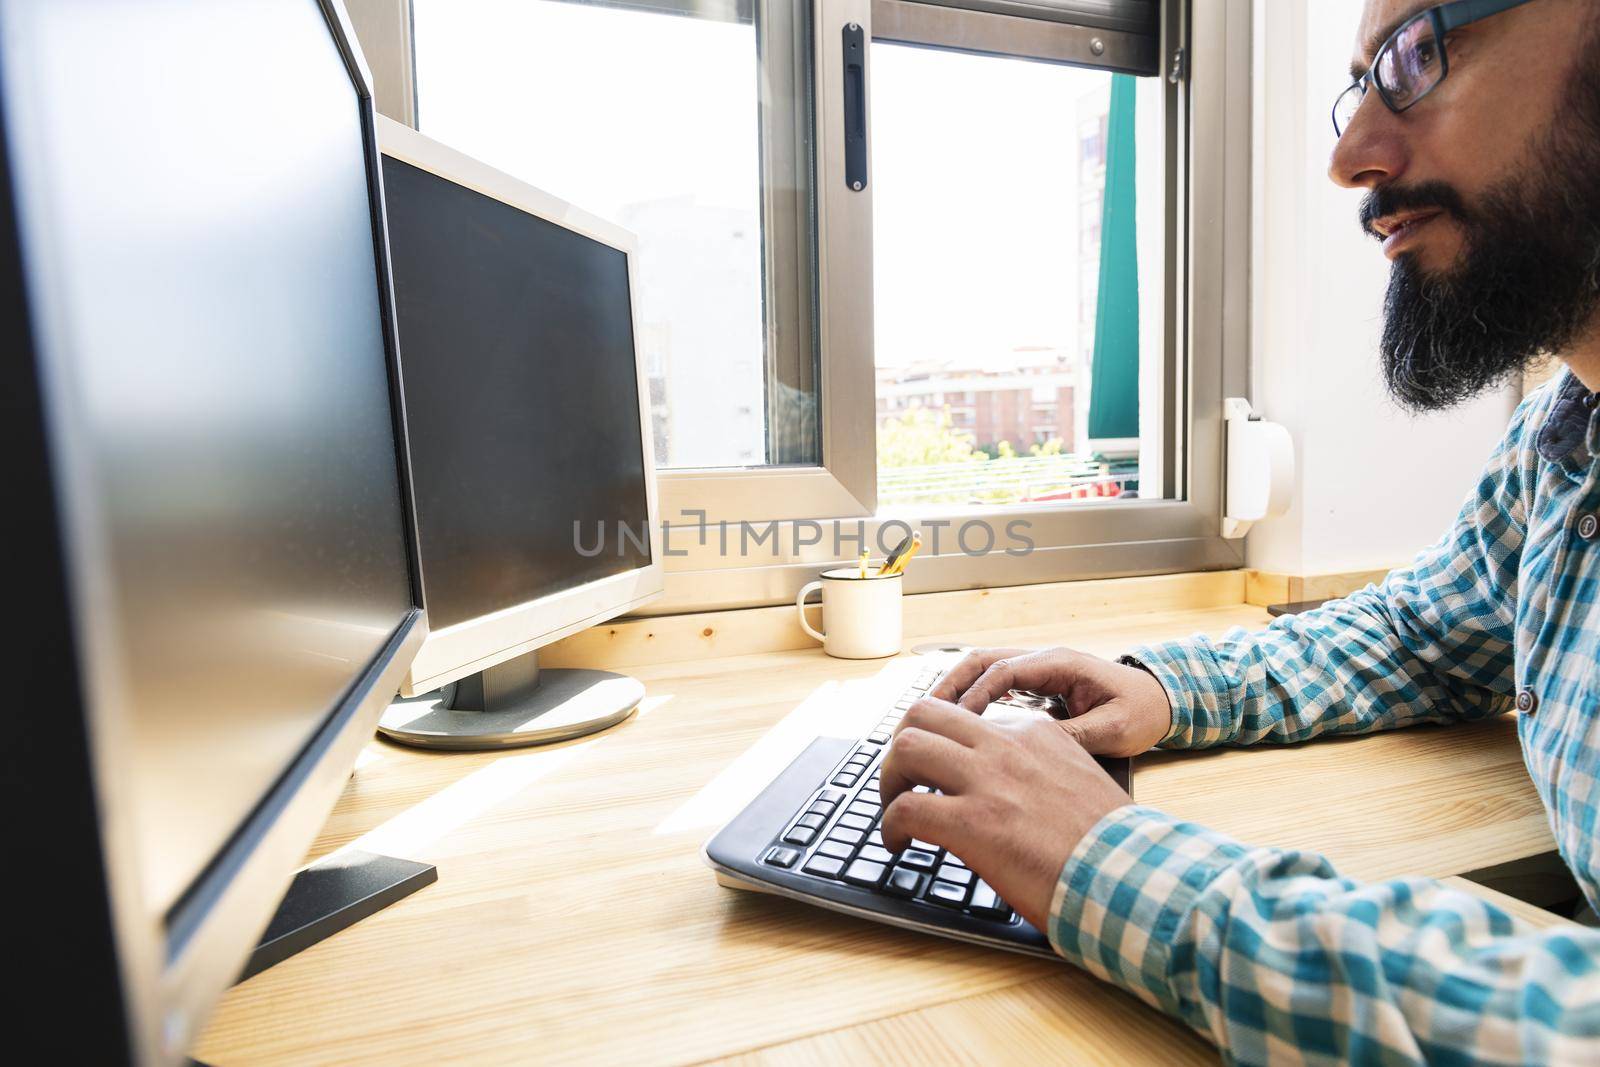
414	830
834	709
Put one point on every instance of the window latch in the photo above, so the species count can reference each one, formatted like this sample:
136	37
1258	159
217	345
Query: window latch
1176	72
855	107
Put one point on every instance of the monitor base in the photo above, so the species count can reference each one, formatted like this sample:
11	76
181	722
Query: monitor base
331	894
512	705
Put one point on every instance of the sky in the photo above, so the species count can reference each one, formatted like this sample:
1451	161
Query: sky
974	159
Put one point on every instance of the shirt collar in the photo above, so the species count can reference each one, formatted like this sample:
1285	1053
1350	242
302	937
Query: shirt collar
1572	429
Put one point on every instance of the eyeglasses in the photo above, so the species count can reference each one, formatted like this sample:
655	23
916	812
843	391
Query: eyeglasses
1413	61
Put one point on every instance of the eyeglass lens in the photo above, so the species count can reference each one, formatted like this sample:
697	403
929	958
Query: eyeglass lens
1407	67
1410	65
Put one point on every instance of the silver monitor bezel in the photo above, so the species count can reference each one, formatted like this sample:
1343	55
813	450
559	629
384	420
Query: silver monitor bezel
453	652
170	969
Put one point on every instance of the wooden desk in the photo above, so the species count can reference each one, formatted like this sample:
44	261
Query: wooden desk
574	921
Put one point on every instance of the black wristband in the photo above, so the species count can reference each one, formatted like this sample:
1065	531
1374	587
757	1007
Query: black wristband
1135	661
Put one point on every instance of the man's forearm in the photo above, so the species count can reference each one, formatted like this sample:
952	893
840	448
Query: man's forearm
1352	666
1264	950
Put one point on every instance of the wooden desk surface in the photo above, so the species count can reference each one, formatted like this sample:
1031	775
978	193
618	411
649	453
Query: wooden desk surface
574	920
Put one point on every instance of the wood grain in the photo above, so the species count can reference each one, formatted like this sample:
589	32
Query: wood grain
575	922
715	634
1265	589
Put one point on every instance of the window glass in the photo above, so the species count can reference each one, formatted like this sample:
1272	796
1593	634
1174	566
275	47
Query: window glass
992	180
660	116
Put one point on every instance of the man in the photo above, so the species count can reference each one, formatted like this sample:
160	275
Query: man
1475	129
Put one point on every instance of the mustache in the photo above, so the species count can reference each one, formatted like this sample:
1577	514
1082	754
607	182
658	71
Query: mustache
1391	199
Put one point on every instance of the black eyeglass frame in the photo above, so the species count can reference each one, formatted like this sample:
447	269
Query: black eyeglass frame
1445	19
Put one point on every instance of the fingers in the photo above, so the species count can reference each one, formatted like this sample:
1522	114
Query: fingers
956	680
924	817
1102	731
921	757
945	719
1030	670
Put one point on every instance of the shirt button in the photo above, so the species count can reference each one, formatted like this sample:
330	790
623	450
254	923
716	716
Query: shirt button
1527	701
1588	526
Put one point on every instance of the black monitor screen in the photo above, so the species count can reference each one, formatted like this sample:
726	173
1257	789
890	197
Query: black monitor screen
197	227
516	343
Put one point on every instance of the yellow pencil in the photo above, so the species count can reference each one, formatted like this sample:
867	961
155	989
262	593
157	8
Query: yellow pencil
894	557
900	564
863	565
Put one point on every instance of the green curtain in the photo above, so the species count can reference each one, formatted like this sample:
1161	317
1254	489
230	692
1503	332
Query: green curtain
1114	393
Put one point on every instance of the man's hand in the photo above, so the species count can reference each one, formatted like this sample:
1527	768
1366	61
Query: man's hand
1016	795
1113	710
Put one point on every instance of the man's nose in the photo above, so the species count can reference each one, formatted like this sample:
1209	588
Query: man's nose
1372	151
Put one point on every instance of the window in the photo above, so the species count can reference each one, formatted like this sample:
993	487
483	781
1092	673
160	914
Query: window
1061	330
988	260
661	117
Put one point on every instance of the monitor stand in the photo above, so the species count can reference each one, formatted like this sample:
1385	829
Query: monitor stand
511	704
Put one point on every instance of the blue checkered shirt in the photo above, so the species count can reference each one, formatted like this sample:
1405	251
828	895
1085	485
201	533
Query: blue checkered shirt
1270	953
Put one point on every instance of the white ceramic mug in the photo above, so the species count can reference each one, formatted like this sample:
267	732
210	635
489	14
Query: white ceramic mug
860	616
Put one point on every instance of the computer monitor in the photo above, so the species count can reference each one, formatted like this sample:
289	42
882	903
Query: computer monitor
210	588
535	485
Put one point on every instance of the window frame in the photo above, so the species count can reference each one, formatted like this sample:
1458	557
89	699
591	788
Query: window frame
1204	55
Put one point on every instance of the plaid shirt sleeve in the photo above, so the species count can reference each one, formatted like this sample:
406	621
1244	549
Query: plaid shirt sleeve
1275	958
1433	642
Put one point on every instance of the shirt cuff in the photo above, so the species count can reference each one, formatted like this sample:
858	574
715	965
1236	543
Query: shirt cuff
1202	710
1163	662
1122	899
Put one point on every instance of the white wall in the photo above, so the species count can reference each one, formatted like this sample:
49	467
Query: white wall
1374	485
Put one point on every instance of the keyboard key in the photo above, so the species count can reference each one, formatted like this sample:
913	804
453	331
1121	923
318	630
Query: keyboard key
800	835
826	866
875	838
811	822
865	873
958	875
856	822
954	860
870	796
844	779
864	754
986	903
947	894
830	797
922	861
904	882
782	857
924	846
861	807
879	737
845	834
839	850
877	854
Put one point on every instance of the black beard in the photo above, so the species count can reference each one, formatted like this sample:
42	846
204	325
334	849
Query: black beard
1528	281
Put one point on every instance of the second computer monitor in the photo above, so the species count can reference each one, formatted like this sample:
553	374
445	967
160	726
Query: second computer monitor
535	489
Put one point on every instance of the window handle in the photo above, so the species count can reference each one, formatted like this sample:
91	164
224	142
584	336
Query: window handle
855	107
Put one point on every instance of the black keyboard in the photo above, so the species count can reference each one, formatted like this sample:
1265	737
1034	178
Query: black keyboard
815	833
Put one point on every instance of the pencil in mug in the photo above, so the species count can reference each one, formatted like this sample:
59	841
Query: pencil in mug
897	563
899	550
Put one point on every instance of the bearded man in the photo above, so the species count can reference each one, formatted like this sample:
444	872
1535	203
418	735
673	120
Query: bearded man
1474	126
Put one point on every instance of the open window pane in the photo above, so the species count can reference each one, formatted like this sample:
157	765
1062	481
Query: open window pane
1017	280
687	122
